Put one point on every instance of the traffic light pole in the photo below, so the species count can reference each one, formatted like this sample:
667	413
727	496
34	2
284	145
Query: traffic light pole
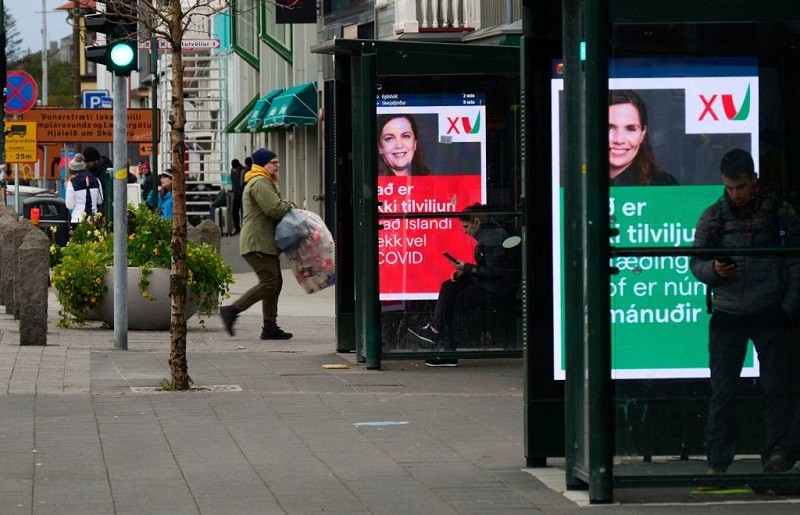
120	212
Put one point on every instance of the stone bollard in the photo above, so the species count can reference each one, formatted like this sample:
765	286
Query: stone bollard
12	295
34	266
191	232
7	223
211	233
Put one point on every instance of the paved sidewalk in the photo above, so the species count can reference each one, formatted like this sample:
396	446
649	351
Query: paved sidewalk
275	432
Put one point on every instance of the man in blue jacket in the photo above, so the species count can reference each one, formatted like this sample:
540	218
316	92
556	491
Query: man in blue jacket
754	298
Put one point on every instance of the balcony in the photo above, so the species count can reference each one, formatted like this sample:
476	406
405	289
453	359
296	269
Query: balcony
461	16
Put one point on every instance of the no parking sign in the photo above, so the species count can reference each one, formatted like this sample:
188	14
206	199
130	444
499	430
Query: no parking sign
21	93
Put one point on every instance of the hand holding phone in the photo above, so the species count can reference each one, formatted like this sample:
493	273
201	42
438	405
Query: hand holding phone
450	258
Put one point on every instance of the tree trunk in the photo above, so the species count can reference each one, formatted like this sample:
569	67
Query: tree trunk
178	276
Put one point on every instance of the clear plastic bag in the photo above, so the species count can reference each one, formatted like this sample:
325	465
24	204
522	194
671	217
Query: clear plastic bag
312	258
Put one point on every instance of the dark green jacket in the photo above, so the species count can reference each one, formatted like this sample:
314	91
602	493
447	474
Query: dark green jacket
263	209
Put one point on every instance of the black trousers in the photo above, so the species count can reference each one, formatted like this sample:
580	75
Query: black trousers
728	336
455	297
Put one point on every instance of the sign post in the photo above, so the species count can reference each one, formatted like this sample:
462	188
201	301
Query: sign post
21	95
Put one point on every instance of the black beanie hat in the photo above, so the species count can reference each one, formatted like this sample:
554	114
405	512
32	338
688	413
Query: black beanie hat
263	156
91	154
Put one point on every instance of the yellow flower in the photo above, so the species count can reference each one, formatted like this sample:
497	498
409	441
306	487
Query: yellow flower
144	294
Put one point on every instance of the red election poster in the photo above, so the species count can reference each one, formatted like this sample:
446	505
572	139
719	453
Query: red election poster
432	159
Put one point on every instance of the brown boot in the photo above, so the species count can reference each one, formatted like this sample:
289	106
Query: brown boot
712	488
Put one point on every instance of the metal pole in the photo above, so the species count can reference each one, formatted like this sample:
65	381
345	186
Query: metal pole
3	88
154	118
16	188
120	213
76	56
44	54
45	97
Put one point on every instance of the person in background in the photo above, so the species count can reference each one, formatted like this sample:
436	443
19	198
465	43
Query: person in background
399	147
165	194
489	278
263	208
753	298
97	165
631	160
237	185
162	199
145	179
84	192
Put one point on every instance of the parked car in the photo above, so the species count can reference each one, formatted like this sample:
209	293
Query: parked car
53	210
24	193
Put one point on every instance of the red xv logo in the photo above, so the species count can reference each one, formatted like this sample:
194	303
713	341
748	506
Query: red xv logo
728	107
465	123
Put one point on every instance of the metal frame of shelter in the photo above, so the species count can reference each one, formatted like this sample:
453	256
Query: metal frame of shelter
589	388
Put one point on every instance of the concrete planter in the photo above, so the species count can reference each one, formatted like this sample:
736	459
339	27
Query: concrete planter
150	314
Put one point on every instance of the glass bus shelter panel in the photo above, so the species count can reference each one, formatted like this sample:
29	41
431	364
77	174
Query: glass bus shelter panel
447	145
681	98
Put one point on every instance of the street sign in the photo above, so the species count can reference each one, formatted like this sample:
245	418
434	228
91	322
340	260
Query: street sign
22	92
96	99
20	142
186	44
88	125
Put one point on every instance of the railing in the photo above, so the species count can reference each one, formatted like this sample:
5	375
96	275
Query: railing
436	16
453	15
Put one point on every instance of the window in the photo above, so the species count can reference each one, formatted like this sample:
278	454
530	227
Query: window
245	29
276	35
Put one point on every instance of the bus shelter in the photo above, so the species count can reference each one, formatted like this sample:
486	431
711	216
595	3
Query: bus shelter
456	109
630	320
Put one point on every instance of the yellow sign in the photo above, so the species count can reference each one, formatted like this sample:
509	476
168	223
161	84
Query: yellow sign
21	142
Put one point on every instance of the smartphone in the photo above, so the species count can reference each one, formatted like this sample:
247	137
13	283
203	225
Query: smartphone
450	258
726	260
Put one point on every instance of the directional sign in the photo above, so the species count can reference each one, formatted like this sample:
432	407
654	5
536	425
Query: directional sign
186	44
88	125
21	142
22	92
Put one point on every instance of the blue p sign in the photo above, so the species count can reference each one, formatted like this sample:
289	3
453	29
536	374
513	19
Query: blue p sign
96	99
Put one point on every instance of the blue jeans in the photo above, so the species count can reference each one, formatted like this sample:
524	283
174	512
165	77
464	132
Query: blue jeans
728	336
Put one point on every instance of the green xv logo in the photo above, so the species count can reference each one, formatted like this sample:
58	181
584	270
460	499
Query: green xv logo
728	107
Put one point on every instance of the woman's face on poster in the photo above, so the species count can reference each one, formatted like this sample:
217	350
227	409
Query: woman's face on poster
397	145
625	136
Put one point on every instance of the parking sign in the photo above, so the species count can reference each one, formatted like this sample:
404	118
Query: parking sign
96	99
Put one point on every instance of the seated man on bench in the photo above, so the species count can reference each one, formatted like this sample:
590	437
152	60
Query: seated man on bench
488	279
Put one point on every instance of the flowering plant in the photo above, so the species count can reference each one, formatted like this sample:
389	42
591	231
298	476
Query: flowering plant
78	278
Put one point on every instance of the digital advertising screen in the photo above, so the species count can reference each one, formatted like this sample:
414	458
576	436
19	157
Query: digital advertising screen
431	159
682	116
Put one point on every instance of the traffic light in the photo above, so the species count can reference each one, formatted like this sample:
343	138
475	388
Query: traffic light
119	24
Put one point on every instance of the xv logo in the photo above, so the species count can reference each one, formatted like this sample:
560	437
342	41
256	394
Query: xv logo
728	107
465	123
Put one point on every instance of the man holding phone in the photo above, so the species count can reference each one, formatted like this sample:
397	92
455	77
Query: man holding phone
753	298
470	285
